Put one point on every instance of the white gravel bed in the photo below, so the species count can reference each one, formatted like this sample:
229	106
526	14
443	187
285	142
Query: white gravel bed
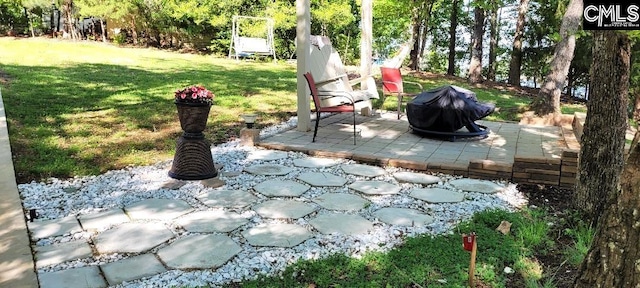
59	198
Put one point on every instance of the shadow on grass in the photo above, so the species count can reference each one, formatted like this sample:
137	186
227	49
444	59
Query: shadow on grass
89	118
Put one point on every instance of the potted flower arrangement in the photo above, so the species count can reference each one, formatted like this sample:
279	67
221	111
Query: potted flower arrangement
193	159
194	104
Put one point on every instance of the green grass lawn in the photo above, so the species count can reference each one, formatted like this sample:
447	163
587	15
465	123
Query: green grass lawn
83	108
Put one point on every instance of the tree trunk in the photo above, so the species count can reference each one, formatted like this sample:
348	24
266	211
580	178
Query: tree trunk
570	82
104	31
134	30
475	67
451	69
612	260
493	42
603	139
426	17
516	53
636	107
69	25
548	100
414	61
33	33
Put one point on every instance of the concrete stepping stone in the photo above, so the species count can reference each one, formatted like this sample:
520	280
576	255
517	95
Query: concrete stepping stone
132	268
276	235
266	155
158	209
322	179
281	188
199	252
228	198
54	227
132	238
437	195
314	162
403	216
416	178
475	185
341	201
61	252
268	169
173	184
342	224
375	187
291	209
84	277
363	170
102	220
214	182
212	221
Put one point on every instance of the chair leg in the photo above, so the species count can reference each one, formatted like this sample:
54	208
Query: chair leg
315	131
354	126
399	105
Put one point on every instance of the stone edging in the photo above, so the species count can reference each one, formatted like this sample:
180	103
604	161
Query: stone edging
16	260
527	170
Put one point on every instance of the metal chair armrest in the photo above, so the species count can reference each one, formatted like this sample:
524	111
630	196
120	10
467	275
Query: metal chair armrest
342	94
414	83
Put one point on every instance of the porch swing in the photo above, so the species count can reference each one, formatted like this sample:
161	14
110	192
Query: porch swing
251	38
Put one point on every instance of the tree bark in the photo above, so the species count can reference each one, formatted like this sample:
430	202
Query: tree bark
548	100
603	139
104	31
426	17
612	260
475	67
493	41
33	33
451	69
516	53
134	30
414	57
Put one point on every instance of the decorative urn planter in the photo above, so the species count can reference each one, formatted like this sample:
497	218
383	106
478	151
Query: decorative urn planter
193	159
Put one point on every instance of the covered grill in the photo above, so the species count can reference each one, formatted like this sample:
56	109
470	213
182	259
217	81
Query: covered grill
445	110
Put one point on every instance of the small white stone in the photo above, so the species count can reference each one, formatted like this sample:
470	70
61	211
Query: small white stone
508	270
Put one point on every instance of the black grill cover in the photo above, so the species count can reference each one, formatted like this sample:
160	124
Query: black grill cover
446	109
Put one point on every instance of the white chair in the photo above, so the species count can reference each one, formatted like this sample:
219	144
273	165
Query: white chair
332	80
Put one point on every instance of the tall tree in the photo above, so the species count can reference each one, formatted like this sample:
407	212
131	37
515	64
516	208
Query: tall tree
70	20
426	18
475	67
451	68
602	147
548	100
416	25
516	53
612	260
494	23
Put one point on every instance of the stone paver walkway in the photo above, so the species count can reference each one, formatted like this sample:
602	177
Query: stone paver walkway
381	138
143	229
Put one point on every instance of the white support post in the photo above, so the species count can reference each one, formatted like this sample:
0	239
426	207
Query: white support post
303	33
366	50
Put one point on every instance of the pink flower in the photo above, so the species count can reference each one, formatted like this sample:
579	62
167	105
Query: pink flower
194	94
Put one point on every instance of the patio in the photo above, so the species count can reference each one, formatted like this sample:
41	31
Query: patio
514	152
